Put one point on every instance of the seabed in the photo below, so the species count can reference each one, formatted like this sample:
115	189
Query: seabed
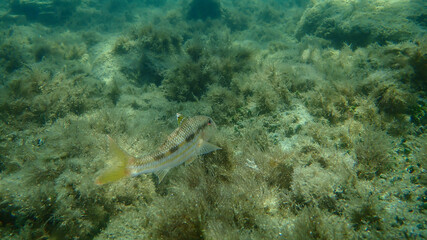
320	107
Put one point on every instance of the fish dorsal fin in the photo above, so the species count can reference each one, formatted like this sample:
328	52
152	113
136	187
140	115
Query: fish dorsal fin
180	118
161	174
207	147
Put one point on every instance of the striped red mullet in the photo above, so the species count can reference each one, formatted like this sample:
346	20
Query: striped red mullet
183	145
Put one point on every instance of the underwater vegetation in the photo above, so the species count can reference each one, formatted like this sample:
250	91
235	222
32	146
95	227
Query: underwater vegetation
352	22
319	105
46	12
204	9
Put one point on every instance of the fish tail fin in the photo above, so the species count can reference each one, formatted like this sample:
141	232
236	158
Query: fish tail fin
120	168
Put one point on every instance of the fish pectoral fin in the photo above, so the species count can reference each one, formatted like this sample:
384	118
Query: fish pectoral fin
189	161
207	147
161	174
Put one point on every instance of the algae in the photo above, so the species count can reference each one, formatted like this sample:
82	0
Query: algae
320	107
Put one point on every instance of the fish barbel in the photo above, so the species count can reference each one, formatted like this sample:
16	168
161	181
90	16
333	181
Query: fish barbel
183	145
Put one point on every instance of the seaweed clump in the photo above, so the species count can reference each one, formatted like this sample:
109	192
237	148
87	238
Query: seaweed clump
312	224
149	38
373	154
147	52
11	57
35	96
204	67
366	215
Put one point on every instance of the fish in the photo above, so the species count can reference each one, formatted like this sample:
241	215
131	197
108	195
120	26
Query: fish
183	145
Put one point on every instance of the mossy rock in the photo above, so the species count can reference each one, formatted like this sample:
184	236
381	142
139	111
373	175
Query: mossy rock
187	82
338	22
204	9
11	57
47	12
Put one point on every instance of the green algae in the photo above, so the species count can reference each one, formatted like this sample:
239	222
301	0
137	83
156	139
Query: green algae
322	137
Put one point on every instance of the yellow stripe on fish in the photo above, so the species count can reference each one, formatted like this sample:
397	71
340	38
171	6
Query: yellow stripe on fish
183	145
